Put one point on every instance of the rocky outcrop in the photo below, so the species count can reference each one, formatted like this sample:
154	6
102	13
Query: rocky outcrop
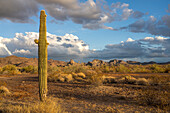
116	62
96	62
71	62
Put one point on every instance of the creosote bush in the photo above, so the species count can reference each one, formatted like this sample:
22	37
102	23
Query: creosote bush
10	69
30	69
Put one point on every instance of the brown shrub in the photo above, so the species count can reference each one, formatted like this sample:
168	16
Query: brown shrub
159	80
109	79
155	98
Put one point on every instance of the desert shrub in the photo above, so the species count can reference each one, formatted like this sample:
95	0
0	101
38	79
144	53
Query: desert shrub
10	69
142	81
139	69
30	69
53	69
105	69
94	78
167	68
156	68
155	98
159	80
74	68
126	80
0	69
130	80
122	68
81	75
109	79
48	106
4	90
60	78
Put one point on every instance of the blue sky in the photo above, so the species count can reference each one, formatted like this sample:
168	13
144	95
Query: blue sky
98	23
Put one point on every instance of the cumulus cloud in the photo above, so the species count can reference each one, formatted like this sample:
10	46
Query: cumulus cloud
70	46
22	51
90	14
18	10
147	48
152	26
61	47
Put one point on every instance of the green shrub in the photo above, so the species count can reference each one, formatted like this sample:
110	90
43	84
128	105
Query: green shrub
30	69
122	68
10	69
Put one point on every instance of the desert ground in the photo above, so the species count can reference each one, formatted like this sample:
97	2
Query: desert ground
79	97
87	89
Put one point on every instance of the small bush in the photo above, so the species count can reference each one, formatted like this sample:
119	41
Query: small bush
30	69
142	81
109	79
159	80
48	106
10	69
94	78
155	98
4	90
60	78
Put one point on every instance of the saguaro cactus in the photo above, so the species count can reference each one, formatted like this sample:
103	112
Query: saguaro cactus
42	56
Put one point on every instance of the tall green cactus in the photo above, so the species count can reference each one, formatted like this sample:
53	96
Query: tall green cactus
42	56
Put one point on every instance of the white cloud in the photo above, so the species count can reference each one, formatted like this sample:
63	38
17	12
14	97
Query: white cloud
67	46
148	38
22	52
150	48
130	40
70	46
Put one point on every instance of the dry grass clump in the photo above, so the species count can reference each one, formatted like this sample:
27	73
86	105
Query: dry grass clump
126	79
155	98
80	77
159	80
48	106
4	90
142	81
109	80
60	78
94	78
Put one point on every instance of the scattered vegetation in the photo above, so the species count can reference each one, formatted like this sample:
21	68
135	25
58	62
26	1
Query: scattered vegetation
48	106
155	98
10	69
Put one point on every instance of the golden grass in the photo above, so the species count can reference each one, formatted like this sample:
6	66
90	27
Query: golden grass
48	106
155	98
4	90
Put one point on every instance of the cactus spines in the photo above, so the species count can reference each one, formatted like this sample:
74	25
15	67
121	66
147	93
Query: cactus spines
42	56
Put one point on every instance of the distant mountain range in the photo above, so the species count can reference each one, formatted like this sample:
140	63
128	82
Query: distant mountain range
23	61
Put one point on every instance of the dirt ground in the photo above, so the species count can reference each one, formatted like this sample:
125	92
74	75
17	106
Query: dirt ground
78	97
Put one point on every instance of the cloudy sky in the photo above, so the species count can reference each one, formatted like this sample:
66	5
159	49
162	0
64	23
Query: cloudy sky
88	29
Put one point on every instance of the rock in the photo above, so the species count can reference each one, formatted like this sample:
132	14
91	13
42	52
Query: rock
96	62
71	62
116	62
